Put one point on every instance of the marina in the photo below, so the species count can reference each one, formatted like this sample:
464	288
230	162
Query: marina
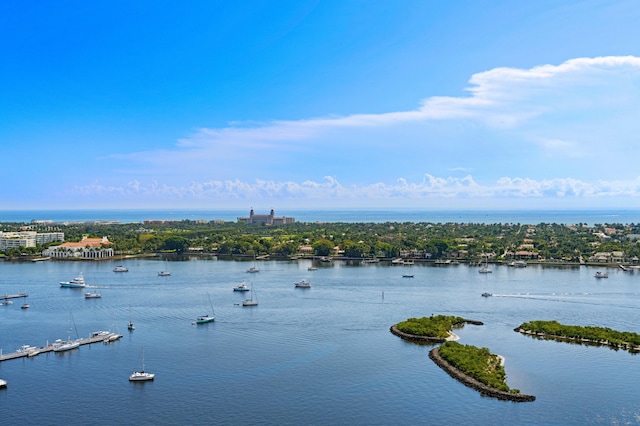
31	351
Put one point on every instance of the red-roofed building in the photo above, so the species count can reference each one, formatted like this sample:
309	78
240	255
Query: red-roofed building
88	248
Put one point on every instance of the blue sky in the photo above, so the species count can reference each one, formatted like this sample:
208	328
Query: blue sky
320	104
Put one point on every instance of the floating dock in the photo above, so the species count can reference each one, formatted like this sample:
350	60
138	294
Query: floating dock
13	296
98	337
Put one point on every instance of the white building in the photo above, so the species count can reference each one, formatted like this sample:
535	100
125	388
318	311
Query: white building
27	239
88	248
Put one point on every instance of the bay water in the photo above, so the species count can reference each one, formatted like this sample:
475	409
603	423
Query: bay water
320	356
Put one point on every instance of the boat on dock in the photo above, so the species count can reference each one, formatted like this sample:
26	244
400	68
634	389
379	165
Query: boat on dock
77	282
63	346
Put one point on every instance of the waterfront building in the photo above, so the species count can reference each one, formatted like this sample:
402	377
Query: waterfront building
27	238
266	219
88	248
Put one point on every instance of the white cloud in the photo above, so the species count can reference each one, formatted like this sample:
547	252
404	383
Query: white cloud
375	194
539	122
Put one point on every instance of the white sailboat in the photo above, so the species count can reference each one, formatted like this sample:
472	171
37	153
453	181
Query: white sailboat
141	376
203	319
130	326
254	268
62	346
250	301
166	271
484	269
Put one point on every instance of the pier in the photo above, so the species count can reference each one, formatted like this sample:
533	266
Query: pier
13	296
98	337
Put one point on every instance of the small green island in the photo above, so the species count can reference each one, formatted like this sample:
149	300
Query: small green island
433	329
582	334
475	367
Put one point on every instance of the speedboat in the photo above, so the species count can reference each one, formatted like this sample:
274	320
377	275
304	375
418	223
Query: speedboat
77	282
303	284
485	294
241	287
164	273
89	295
407	276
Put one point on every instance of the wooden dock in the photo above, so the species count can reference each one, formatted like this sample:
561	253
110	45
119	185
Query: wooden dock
13	296
106	337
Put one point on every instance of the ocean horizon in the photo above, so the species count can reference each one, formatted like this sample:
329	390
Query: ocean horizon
531	217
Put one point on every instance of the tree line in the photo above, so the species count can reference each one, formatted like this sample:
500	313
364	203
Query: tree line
465	241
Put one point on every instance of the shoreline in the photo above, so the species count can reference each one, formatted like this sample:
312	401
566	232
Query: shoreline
434	355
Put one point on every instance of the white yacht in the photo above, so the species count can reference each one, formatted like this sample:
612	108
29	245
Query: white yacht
302	284
77	282
241	287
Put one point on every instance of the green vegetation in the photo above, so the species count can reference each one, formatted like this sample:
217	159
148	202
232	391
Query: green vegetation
478	363
602	335
433	326
422	240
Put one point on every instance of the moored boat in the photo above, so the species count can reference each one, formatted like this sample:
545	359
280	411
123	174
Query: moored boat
601	275
241	287
302	284
141	376
203	319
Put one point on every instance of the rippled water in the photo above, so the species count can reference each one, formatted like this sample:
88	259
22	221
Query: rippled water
309	356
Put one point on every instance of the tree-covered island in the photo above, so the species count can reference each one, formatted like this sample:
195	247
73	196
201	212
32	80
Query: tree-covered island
584	334
435	329
475	367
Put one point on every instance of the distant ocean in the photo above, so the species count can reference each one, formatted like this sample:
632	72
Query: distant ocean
534	217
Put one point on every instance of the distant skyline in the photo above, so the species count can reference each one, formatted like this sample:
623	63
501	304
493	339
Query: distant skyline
320	104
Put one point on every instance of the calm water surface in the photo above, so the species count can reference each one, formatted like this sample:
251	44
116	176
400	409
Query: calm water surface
309	356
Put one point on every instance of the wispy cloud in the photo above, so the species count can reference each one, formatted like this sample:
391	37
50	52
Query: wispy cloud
552	124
